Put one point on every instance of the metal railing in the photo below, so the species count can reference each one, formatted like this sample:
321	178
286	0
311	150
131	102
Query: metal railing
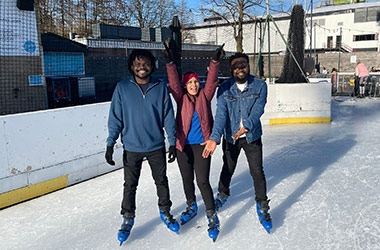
343	83
337	46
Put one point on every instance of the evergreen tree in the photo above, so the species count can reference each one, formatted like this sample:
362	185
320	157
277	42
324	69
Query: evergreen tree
291	73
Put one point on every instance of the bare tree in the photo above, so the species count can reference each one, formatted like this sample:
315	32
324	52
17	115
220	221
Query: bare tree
234	12
52	15
78	16
185	17
82	19
152	13
187	36
45	16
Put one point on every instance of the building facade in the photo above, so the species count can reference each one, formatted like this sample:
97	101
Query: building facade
351	27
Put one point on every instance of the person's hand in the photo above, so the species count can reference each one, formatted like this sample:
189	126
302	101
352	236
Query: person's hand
168	52
219	53
241	131
210	146
172	154
109	153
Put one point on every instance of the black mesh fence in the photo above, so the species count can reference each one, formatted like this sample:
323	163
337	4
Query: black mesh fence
21	72
44	70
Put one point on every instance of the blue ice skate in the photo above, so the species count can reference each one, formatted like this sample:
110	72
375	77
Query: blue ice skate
264	216
220	199
191	212
213	225
126	227
169	221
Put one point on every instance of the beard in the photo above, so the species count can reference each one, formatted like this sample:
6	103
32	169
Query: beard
144	77
241	78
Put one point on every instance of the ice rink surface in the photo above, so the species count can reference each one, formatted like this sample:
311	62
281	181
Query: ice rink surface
323	182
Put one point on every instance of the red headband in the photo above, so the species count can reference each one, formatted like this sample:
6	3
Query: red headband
188	76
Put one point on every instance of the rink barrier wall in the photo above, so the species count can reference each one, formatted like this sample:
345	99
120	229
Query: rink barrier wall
40	148
44	151
298	103
32	191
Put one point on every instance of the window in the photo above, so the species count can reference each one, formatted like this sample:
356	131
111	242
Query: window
367	15
367	37
373	14
360	15
330	43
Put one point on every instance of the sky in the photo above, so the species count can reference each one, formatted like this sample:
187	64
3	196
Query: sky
275	5
323	182
195	4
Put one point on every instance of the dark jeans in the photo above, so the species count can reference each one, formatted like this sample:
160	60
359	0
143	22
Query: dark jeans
356	86
190	161
254	154
132	169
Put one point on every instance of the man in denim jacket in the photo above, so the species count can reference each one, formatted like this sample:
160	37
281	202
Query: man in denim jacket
240	104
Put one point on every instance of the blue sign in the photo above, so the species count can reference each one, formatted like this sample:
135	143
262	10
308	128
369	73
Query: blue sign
35	80
29	46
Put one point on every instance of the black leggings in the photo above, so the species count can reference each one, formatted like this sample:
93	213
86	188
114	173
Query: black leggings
190	161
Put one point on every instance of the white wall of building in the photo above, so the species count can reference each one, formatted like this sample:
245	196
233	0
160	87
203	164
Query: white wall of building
326	21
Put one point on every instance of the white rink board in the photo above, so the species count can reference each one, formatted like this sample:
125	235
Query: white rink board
40	146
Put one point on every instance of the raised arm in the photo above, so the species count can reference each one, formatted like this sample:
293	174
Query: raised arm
212	80
175	86
212	75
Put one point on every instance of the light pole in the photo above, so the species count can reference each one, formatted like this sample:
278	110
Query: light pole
315	38
269	64
339	47
311	28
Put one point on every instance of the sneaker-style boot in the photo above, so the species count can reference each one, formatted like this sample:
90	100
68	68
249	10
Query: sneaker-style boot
169	221
190	212
126	227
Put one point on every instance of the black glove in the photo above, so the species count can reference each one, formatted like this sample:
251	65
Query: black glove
168	52
109	153
172	154
219	53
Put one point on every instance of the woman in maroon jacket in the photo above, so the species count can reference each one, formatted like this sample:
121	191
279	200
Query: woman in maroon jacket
194	122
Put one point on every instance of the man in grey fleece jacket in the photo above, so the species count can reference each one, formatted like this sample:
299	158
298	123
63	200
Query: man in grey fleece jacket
140	110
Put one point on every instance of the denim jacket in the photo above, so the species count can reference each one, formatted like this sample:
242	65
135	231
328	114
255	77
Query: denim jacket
234	105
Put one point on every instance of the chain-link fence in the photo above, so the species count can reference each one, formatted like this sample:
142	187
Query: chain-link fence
21	74
43	71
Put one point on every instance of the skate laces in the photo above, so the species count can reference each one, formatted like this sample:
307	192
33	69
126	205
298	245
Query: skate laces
213	221
191	210
262	210
221	198
167	218
127	223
